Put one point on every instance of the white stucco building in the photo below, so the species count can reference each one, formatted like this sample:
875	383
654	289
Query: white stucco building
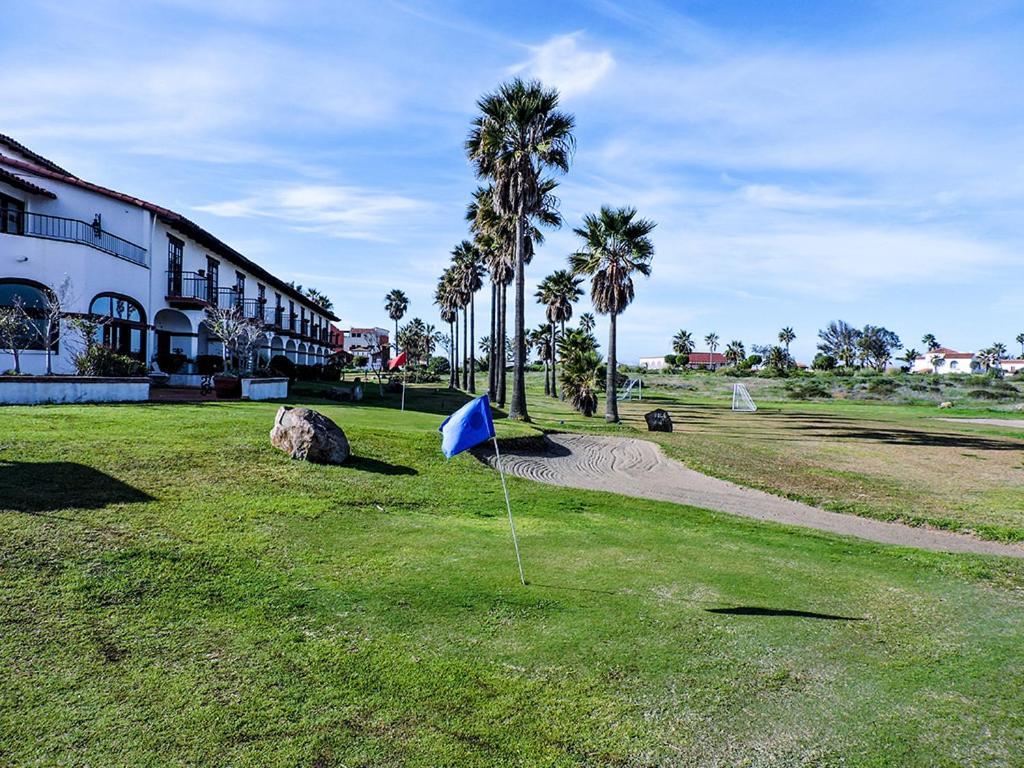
944	360
150	270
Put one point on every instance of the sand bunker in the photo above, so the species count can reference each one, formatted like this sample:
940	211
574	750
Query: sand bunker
1011	423
639	468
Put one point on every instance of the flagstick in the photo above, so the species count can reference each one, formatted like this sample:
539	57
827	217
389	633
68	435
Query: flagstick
508	506
403	390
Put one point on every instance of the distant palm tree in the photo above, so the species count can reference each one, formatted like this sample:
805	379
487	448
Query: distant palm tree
540	338
587	322
558	292
469	278
518	135
1020	340
446	297
682	343
1000	350
910	357
930	342
735	352
712	341
396	303
615	245
786	337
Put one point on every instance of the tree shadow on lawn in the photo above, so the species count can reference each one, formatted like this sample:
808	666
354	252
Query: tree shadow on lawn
366	464
913	437
436	400
753	610
48	486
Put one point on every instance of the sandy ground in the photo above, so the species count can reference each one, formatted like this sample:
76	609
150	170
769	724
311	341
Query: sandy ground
639	468
1011	423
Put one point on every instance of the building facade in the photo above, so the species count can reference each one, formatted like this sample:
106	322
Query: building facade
944	360
150	272
372	343
706	360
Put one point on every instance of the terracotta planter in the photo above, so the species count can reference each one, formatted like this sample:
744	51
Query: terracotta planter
227	387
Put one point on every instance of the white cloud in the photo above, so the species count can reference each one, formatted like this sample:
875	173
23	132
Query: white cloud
336	211
562	62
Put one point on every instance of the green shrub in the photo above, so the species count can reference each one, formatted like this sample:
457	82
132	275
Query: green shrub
207	365
282	366
823	362
984	394
807	390
171	362
101	360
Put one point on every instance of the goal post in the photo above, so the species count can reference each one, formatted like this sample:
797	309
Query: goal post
741	399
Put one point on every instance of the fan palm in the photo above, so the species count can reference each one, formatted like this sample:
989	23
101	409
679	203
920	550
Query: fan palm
682	343
518	136
712	341
786	337
930	342
446	298
587	322
1020	340
616	244
558	292
909	356
468	271
540	339
735	352
581	370
396	303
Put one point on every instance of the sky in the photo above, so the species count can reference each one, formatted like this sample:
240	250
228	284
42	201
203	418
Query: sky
804	161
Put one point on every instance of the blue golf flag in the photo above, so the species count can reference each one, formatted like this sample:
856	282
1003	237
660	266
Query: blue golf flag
468	426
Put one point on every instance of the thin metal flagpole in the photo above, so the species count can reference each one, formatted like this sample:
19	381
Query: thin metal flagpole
403	390
508	506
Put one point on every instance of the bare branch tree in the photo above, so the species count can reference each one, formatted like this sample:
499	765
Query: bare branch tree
54	308
240	337
15	330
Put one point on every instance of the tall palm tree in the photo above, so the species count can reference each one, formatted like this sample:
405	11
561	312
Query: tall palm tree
1020	340
712	341
930	342
518	136
540	339
682	343
396	303
469	275
587	322
558	292
615	245
786	337
735	352
1000	350
446	298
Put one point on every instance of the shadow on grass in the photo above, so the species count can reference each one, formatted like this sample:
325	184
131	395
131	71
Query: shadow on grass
752	610
434	399
49	486
364	464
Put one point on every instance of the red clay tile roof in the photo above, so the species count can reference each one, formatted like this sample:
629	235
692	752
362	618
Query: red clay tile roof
179	223
706	358
20	148
16	181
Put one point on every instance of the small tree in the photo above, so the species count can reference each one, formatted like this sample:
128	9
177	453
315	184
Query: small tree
240	337
50	313
15	330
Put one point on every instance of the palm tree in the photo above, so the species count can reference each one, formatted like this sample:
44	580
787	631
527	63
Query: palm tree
930	342
712	341
396	303
910	356
518	135
587	322
468	272
580	370
682	343
540	338
1000	350
786	337
615	245
446	298
735	352
1020	340
558	291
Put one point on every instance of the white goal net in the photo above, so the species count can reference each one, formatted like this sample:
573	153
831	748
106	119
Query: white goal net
741	399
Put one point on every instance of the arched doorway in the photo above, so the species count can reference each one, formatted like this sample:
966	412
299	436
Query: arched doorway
290	350
124	323
174	334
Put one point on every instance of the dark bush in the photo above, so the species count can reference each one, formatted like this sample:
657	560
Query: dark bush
440	365
330	371
282	366
207	365
307	372
101	360
171	362
807	389
880	386
984	394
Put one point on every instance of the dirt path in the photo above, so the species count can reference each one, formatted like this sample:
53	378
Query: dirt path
1011	423
639	468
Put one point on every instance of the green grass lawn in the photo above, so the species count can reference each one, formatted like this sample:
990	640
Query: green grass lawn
174	591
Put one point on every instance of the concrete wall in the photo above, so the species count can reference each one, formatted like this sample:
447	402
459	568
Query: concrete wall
264	389
34	390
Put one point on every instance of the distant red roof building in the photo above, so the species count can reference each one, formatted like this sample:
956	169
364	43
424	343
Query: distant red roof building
707	358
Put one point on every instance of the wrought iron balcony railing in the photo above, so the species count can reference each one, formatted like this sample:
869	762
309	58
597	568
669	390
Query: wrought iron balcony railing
72	231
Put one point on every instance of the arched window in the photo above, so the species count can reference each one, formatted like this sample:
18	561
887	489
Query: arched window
31	298
124	329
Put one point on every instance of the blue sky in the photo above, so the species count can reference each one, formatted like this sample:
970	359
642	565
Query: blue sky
804	161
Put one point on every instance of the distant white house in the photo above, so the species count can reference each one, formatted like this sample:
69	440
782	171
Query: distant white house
709	360
1012	366
945	360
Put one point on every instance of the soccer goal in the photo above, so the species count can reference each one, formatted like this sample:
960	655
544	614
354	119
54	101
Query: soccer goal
741	399
634	389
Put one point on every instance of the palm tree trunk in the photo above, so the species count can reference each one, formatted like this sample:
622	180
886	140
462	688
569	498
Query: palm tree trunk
502	348
554	359
472	342
611	408
465	355
517	408
492	372
547	370
451	355
455	353
396	337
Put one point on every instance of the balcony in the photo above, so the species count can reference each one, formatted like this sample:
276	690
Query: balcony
72	231
189	290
